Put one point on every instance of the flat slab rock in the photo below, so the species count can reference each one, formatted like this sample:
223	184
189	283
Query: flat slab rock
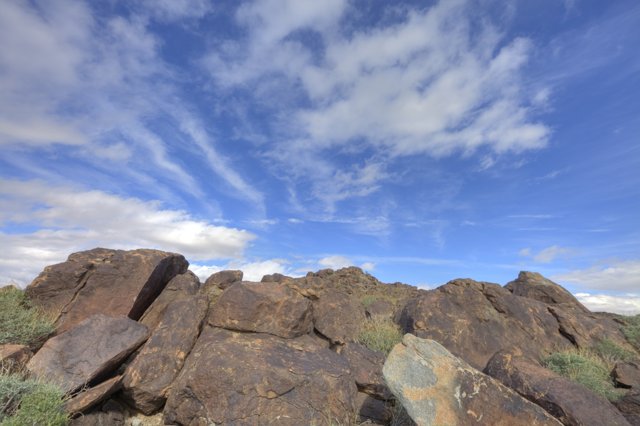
87	399
103	281
568	401
255	378
88	351
436	388
627	374
180	287
263	307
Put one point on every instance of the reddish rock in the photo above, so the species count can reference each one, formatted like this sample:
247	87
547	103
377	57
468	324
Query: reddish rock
91	350
256	378
534	286
102	281
14	356
149	376
223	279
180	287
88	398
627	374
338	316
570	402
437	388
263	307
366	368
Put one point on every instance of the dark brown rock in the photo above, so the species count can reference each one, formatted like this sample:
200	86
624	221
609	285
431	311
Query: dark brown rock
263	307
382	308
570	402
474	320
366	368
89	351
372	409
14	356
149	376
437	388
627	374
88	398
629	406
102	281
111	414
223	279
251	378
181	286
535	286
338	317
276	278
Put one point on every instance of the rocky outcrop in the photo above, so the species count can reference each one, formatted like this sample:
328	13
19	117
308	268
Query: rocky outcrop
627	375
437	388
256	378
534	286
180	287
629	406
568	401
12	357
263	308
366	368
148	377
338	317
102	281
223	279
89	351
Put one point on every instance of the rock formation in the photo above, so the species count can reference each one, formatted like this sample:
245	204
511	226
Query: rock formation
138	337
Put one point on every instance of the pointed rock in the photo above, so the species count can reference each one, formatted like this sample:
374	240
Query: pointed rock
102	281
180	287
535	286
91	350
88	398
437	388
223	279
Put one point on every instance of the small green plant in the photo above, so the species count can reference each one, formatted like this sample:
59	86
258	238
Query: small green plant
632	330
26	402
610	352
380	334
586	368
20	322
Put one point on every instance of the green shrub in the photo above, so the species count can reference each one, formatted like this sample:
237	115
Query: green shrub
586	368
379	334
632	330
21	323
26	402
610	352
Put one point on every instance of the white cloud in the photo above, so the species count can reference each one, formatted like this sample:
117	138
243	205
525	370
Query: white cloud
616	276
546	255
68	220
174	10
437	81
335	262
625	305
252	271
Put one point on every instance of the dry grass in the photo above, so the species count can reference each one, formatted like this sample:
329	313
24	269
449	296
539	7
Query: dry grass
20	322
380	334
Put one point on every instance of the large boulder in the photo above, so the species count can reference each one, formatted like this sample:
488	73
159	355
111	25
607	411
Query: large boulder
568	401
366	368
264	308
436	388
627	374
535	286
148	377
102	281
181	286
223	279
338	316
89	351
255	378
474	320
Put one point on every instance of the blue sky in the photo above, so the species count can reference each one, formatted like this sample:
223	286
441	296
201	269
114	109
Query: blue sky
422	141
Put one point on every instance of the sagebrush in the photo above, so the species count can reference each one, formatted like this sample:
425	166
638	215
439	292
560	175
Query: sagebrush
20	322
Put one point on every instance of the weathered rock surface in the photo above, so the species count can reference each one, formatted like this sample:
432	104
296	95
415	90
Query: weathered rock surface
181	286
437	388
223	279
366	368
534	286
148	377
338	316
627	374
372	409
110	414
110	282
86	399
13	356
629	406
568	401
88	351
382	308
251	378
263	308
474	320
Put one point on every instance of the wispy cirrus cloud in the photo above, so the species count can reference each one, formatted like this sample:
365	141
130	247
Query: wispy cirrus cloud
621	275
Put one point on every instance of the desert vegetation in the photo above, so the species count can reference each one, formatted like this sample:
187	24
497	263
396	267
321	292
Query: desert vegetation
20	322
380	334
